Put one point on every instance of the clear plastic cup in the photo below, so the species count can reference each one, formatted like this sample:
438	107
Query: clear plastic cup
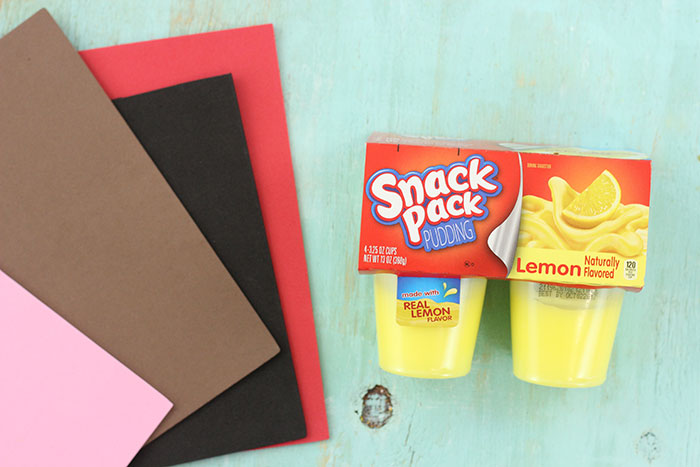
563	336
427	352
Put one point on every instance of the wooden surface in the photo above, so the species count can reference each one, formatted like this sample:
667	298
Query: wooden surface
605	74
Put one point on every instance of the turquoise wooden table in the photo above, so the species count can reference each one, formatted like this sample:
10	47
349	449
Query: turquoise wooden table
622	75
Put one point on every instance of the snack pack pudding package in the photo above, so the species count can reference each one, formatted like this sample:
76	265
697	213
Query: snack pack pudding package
568	226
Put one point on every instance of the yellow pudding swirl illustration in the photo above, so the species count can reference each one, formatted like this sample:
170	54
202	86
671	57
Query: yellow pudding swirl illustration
548	224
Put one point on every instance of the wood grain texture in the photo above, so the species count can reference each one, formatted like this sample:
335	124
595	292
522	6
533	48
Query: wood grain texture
623	75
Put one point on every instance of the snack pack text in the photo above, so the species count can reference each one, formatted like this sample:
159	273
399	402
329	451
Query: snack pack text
435	208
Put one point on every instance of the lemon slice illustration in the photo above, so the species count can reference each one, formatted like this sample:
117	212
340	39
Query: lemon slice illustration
595	204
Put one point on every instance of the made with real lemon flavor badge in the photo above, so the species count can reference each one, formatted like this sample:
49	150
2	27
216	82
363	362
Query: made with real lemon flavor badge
427	301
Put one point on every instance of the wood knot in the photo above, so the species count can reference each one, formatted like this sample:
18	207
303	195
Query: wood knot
377	408
648	446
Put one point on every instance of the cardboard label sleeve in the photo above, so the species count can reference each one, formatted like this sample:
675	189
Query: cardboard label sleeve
435	207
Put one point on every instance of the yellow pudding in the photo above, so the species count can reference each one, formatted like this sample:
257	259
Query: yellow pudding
563	336
438	349
584	222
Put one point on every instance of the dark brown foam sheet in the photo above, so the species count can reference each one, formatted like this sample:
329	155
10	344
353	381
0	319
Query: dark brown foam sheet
90	227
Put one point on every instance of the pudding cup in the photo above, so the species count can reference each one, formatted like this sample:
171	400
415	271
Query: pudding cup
427	351
563	336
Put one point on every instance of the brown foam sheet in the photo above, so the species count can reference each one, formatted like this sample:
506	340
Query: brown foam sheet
90	227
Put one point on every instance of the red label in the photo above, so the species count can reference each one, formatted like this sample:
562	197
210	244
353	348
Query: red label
430	210
454	208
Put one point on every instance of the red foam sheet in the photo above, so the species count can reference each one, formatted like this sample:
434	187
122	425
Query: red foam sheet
249	54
